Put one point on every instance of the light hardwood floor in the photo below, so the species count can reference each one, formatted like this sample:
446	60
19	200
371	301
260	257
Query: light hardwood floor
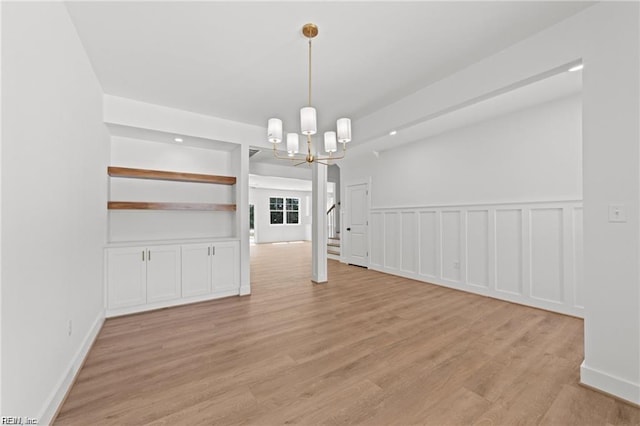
365	348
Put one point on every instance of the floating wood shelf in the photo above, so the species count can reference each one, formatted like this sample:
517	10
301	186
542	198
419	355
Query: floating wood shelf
139	205
165	175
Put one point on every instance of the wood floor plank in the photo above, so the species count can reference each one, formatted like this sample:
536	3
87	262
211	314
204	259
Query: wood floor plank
365	348
586	407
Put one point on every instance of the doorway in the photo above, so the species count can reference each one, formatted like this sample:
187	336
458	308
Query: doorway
357	225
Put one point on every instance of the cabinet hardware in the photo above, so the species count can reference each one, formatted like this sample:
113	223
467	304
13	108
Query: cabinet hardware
208	251
143	255
149	255
213	251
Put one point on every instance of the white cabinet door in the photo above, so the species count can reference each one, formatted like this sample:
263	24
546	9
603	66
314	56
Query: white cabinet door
126	277
163	273
225	269
196	269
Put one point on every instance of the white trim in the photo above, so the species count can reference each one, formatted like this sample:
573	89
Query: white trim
175	302
57	397
610	384
484	291
471	205
142	243
459	236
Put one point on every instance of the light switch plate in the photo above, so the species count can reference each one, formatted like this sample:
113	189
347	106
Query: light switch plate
617	213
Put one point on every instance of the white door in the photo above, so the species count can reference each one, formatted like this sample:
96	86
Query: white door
225	268
196	269
163	273
356	225
126	277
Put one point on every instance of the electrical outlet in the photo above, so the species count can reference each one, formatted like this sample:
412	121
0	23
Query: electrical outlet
456	265
70	328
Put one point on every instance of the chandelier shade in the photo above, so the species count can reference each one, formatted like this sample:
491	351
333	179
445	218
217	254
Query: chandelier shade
344	130
308	123
275	130
309	127
292	143
330	143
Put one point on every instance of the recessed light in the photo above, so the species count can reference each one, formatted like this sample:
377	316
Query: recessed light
393	132
576	68
179	140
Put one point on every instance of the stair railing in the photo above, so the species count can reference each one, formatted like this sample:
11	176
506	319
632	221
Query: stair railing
331	222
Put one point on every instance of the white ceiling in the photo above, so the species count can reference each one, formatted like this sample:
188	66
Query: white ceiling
246	61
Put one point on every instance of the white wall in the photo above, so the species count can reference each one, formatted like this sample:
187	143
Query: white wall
449	224
54	186
152	225
529	155
606	37
285	171
1	133
267	233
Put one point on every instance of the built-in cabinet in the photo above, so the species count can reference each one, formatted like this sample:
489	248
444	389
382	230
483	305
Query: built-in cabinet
196	274
141	278
173	225
127	277
210	269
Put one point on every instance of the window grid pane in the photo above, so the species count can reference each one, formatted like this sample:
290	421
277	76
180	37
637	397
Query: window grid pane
293	204
292	217
277	218
276	203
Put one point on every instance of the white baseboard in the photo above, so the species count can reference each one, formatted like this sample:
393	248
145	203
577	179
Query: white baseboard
174	302
57	397
485	291
245	290
607	383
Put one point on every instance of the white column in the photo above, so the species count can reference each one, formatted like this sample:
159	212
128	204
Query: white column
240	166
319	225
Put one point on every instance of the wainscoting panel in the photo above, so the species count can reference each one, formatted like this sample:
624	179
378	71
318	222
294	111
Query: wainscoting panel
392	240
451	245
376	229
478	247
528	253
429	235
409	242
509	251
546	255
578	274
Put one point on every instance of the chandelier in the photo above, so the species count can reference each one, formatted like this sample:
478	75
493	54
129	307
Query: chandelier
308	127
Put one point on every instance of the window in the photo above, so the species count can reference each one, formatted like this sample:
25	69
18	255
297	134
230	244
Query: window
276	209
293	205
284	210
